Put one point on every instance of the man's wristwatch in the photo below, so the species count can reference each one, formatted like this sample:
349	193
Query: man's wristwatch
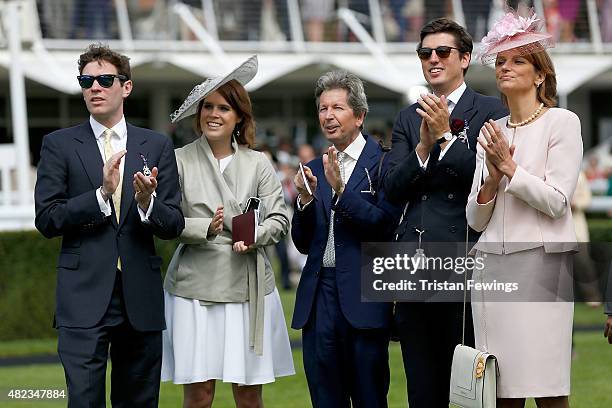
446	137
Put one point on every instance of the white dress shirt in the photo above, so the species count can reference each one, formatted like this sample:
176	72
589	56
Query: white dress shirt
118	143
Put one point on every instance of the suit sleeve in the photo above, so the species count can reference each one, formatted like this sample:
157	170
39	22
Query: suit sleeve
166	219
404	172
275	224
552	194
56	212
303	226
373	221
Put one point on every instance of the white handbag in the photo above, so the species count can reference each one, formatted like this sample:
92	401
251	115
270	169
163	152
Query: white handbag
473	381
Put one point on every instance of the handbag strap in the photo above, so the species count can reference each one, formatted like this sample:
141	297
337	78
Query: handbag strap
467	232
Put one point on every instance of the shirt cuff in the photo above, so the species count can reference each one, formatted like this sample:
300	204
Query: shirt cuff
423	165
301	207
104	206
144	217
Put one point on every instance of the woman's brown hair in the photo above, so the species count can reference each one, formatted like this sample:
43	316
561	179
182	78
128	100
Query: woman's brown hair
238	98
547	91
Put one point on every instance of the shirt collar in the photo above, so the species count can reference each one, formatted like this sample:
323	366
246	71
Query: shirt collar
456	94
120	128
356	147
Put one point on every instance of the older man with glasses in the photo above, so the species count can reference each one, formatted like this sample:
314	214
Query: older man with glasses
431	168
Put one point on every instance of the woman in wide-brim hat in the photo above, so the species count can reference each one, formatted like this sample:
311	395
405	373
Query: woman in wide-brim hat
223	313
526	172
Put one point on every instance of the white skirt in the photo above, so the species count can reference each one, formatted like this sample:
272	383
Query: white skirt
532	340
203	343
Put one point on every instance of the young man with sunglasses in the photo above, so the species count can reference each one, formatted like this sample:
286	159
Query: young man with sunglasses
431	171
107	188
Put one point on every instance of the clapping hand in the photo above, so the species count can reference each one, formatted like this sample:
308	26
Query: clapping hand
111	173
499	154
434	112
298	180
332	170
144	186
216	225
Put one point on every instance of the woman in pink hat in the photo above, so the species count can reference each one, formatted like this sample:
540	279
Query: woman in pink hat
526	172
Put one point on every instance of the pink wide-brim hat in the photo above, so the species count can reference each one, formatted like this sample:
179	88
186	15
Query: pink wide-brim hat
514	31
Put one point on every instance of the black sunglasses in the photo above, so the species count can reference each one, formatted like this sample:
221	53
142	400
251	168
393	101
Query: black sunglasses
105	80
442	51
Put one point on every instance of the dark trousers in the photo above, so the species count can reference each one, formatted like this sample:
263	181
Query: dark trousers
135	357
428	335
343	364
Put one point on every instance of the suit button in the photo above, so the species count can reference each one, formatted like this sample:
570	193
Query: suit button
453	229
451	196
424	197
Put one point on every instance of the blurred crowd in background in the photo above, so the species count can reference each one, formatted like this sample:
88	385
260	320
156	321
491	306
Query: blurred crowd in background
268	20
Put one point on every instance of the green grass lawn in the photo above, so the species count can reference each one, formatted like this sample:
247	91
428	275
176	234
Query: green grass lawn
591	373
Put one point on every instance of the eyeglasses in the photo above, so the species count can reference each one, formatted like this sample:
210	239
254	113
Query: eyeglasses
442	51
105	80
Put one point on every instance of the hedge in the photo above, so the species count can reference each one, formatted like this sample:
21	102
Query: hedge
27	278
27	283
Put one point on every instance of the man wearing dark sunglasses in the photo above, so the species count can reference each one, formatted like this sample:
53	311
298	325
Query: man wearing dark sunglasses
431	172
107	187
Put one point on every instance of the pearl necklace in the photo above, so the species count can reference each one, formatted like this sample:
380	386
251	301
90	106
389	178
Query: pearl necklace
529	119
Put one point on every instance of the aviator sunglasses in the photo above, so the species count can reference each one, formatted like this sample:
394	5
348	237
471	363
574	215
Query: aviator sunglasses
105	80
442	51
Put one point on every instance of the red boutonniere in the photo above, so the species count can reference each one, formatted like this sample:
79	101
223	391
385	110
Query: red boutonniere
457	126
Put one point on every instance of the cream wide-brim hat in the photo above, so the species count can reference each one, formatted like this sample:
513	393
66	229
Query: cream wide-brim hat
244	73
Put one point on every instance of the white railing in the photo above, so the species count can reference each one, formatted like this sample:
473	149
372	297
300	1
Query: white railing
253	24
14	215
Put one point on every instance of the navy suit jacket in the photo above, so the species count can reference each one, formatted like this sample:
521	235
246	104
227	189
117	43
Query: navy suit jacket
359	217
436	196
69	173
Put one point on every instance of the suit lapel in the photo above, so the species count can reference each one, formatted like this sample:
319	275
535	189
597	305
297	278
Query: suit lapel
466	110
136	145
89	154
367	160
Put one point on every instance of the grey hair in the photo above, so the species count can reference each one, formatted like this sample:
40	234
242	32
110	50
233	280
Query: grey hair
356	97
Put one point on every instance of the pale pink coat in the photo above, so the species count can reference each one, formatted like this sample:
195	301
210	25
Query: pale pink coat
533	209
